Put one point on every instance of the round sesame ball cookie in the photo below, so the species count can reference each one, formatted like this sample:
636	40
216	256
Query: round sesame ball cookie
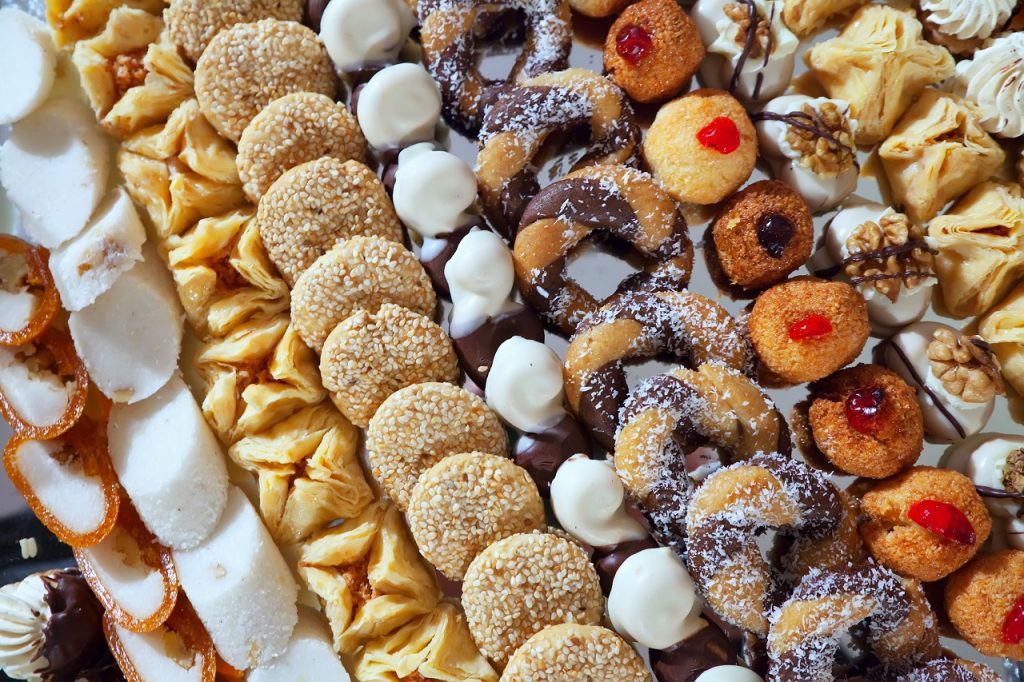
762	234
701	146
924	523
520	585
291	130
866	421
806	328
985	602
420	425
465	502
248	66
192	24
569	651
312	207
370	355
652	50
357	273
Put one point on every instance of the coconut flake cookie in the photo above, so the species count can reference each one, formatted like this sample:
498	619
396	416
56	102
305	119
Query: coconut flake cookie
312	207
369	356
465	502
292	130
358	273
519	585
192	24
248	66
575	652
985	601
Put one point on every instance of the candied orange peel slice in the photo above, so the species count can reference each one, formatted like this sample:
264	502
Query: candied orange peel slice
39	282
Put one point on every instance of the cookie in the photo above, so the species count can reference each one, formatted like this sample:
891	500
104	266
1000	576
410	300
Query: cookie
576	652
985	601
192	24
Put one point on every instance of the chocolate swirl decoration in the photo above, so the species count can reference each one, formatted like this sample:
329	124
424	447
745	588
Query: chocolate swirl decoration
617	200
900	251
749	42
804	121
920	383
452	31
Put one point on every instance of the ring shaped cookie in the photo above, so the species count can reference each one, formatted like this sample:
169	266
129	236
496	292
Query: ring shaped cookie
452	30
728	513
642	325
613	198
519	123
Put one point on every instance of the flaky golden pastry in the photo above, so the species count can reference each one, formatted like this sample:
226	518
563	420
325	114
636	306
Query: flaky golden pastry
1003	328
980	244
938	151
368	576
879	63
806	17
74	20
437	646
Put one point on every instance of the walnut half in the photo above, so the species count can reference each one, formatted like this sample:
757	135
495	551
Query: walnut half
965	365
824	139
889	255
739	13
1013	472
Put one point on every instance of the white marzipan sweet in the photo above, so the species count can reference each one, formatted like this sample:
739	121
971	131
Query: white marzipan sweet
152	656
28	64
361	33
40	397
588	500
399	106
481	276
994	80
525	385
434	190
310	656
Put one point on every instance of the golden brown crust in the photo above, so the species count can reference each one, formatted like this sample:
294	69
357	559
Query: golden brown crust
192	24
576	652
979	597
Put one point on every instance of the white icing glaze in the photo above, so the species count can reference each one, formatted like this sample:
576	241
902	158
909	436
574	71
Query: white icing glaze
525	385
968	19
481	276
984	463
357	33
729	673
400	105
994	80
719	34
433	190
912	303
24	614
588	500
913	341
654	601
821	192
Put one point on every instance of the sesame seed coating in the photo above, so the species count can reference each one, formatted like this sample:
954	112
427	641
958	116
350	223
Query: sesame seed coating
291	130
419	426
248	66
192	24
369	356
358	273
465	502
519	585
575	652
312	207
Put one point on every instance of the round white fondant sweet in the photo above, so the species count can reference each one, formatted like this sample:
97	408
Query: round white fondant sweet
525	385
361	33
729	673
588	500
28	62
481	276
400	105
433	190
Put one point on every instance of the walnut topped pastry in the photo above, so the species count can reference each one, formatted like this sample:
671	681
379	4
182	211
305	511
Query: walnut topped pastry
996	467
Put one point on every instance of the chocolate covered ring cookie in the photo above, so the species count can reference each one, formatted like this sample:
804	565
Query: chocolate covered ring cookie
519	123
638	325
614	198
452	30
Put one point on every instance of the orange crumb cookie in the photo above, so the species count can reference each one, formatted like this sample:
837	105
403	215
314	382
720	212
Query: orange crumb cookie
806	328
924	523
652	50
520	585
575	652
985	602
465	502
762	234
702	146
369	356
420	425
866	421
192	24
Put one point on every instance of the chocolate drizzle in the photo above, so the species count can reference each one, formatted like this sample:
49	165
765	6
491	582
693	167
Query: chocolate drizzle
923	386
805	122
997	494
749	41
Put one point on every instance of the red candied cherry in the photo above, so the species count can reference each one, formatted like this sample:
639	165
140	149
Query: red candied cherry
721	134
633	43
863	407
814	326
1013	626
943	519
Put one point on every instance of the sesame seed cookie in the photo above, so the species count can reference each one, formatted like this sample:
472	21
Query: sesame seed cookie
369	356
465	502
192	24
248	66
420	425
357	273
519	585
575	652
312	207
291	130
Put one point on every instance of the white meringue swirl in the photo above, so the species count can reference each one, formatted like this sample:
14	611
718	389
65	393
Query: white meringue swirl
994	80
23	617
968	19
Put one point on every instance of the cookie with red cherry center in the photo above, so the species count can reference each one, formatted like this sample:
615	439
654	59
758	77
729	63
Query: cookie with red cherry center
866	421
985	602
924	523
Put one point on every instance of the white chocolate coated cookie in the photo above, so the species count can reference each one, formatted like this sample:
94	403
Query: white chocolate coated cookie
434	190
525	385
481	277
361	33
399	106
588	500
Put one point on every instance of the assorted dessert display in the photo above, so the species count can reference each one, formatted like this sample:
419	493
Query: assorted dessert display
313	397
